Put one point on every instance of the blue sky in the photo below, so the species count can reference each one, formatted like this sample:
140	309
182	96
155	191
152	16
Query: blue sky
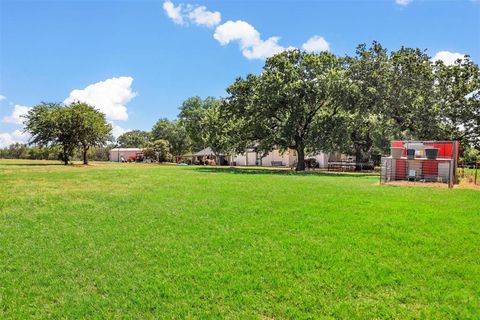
138	60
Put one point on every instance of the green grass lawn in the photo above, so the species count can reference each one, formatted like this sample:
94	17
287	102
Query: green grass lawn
149	241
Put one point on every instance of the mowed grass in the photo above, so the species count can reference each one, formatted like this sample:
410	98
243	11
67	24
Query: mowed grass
149	241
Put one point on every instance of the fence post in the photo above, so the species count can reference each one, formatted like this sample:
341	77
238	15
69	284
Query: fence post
451	174
476	169
381	165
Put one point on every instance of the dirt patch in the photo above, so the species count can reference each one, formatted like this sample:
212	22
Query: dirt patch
461	185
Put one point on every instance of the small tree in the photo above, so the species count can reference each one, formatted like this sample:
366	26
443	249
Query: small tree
158	150
92	128
175	133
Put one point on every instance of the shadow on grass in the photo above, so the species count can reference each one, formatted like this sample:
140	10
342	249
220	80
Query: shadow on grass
31	164
279	171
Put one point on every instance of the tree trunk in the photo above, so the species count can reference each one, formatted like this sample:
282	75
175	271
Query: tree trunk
300	157
363	148
65	156
362	156
85	160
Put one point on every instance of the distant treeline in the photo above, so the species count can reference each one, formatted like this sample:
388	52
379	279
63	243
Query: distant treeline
24	151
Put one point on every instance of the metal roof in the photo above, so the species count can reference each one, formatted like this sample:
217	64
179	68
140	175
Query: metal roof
125	149
205	152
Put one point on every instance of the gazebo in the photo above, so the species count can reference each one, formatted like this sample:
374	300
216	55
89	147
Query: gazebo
205	156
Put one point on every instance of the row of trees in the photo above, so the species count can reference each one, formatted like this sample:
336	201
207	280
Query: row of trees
308	102
197	127
311	102
322	102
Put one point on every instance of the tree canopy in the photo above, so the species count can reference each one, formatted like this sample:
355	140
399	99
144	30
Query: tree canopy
158	150
92	128
133	139
193	115
175	133
77	125
281	106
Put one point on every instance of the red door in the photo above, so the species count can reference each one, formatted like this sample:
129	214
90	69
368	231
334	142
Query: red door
400	169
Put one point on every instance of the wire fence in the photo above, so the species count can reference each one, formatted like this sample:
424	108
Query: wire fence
421	171
469	172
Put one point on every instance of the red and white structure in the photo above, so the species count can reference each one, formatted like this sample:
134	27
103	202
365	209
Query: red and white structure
123	154
422	161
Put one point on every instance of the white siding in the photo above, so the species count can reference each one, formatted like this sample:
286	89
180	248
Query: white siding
247	159
276	156
287	158
321	158
116	155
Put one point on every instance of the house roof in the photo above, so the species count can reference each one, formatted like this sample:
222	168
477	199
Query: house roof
204	152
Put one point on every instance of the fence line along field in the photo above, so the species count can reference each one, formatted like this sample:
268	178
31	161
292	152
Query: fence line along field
152	241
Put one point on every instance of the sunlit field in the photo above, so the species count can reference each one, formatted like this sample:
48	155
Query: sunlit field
152	241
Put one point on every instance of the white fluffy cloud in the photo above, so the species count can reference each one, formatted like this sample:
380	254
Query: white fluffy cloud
174	13
2	97
403	3
448	57
250	42
248	38
316	44
199	15
118	130
109	96
16	116
238	30
263	49
7	139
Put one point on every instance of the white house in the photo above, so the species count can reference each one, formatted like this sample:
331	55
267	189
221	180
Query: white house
276	158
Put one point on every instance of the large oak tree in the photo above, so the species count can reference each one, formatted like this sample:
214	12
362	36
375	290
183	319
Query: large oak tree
281	107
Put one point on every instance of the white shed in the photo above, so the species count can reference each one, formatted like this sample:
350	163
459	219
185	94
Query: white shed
276	158
122	154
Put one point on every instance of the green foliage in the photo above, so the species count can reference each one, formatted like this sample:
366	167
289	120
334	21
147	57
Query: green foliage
281	106
175	133
50	124
366	126
193	116
357	105
471	155
158	150
15	151
458	96
33	152
91	127
133	139
72	126
411	100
